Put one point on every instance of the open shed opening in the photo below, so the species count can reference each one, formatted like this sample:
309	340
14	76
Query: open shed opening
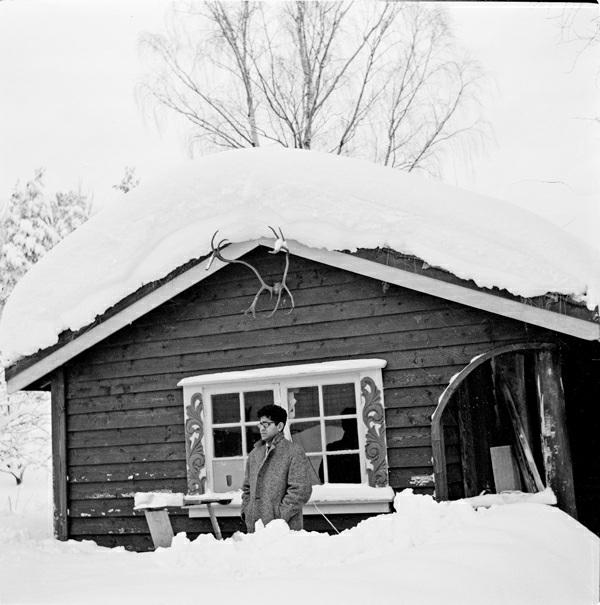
522	420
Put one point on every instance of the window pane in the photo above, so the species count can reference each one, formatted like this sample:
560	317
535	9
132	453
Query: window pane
253	401
341	434
339	399
343	468
307	434
316	465
228	442
226	408
252	436
303	402
228	475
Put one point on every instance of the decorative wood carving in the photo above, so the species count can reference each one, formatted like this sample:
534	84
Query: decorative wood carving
375	445
194	435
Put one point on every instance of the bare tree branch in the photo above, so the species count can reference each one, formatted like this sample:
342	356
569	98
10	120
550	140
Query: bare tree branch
382	80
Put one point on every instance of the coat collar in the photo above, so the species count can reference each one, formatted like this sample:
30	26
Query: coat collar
277	439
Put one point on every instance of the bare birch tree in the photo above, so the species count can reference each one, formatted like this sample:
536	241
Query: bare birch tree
383	81
580	27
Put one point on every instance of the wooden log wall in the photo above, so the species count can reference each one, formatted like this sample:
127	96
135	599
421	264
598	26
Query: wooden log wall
125	413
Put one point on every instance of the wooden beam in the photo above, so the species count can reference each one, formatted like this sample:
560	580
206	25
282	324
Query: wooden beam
478	298
510	369
530	472
556	448
467	441
59	454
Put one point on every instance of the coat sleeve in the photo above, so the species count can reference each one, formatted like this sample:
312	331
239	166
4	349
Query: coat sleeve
299	487
246	489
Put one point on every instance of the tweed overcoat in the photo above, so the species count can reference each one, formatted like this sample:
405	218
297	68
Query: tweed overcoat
276	486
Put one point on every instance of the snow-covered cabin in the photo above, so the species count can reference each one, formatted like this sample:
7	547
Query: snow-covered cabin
426	337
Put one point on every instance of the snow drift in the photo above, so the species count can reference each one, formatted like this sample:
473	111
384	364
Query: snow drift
320	200
425	553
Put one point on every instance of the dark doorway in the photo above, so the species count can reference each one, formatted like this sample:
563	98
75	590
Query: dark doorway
486	431
581	379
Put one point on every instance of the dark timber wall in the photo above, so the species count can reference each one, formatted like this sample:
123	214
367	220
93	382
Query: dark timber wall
125	412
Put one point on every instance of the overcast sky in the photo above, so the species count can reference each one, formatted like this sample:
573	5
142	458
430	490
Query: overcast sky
69	69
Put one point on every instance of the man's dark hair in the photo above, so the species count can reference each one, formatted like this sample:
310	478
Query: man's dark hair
273	412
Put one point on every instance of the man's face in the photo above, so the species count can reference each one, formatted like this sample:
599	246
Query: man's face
268	429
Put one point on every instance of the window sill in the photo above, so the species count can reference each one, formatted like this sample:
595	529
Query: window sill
327	499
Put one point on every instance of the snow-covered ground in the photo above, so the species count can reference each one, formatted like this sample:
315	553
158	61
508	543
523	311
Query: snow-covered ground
425	553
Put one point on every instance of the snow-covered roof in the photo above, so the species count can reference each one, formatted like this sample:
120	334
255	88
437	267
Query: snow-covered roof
322	201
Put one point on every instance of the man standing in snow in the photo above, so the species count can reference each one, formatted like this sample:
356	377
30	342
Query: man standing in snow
277	483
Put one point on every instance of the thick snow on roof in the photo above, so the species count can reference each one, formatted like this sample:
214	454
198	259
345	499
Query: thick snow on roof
320	200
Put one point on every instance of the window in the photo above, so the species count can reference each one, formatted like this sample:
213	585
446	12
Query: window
323	419
234	432
335	412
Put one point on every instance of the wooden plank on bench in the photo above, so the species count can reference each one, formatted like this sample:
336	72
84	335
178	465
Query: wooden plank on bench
155	506
160	527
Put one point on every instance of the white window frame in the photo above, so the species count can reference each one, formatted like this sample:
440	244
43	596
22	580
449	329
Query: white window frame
320	382
230	387
327	498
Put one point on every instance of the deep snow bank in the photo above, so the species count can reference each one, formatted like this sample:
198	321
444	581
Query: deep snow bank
320	200
426	553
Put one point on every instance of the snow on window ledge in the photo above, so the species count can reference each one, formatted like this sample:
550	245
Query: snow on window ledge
346	498
350	492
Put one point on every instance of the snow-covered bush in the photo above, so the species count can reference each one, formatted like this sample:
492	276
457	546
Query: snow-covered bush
24	431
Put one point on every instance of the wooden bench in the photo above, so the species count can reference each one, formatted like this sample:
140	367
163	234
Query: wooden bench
156	510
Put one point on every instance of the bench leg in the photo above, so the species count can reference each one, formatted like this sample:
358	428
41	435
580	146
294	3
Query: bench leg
160	527
214	522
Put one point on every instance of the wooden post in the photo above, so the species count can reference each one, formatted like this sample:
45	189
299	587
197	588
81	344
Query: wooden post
439	460
214	522
59	454
531	475
467	441
510	369
556	450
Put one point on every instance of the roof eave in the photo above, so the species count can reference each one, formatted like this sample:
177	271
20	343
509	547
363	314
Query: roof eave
565	324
